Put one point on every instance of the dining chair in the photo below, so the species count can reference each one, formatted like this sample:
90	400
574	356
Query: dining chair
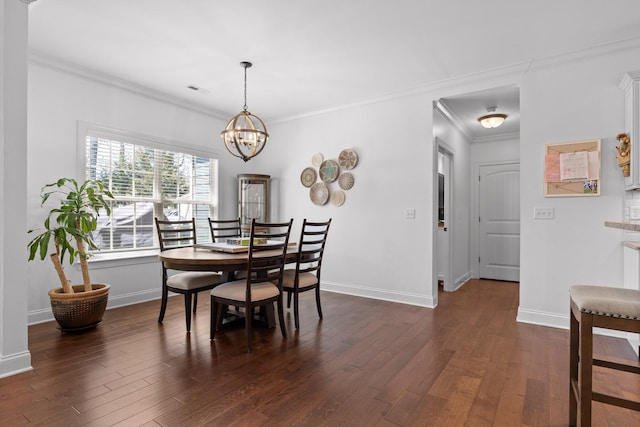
306	274
222	229
177	234
257	289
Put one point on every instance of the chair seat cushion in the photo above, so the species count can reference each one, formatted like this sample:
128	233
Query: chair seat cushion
189	280
304	280
236	290
605	301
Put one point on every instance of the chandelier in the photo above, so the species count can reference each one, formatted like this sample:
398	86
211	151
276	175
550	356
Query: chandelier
492	120
245	135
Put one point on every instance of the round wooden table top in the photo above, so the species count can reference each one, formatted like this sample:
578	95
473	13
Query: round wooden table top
186	258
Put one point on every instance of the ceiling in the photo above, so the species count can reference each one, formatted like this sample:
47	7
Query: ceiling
313	56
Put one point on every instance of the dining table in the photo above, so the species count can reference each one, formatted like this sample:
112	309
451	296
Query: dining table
220	258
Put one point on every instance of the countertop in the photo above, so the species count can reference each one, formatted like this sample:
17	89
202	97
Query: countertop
623	225
626	226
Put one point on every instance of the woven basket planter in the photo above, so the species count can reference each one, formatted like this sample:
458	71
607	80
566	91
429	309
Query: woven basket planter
80	310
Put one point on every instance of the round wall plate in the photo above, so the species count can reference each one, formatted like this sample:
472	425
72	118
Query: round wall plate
346	181
348	159
317	159
319	193
308	177
337	197
329	170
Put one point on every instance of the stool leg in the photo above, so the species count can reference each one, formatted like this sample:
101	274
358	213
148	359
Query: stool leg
586	368
574	344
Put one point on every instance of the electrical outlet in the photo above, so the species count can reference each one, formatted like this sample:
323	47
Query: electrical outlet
634	213
543	213
409	213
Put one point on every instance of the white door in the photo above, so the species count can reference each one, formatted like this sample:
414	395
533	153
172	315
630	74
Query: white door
499	199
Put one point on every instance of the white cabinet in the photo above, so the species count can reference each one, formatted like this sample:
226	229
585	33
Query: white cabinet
630	84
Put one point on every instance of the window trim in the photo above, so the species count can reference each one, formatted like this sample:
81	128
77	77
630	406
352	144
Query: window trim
85	129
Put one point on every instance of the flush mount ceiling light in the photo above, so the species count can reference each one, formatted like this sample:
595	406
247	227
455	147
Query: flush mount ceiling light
492	120
245	135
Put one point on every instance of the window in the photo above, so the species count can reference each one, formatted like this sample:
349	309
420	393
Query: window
147	182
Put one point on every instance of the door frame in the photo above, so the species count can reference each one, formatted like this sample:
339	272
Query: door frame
475	206
449	155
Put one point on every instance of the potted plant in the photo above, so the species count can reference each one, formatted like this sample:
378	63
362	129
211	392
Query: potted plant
68	229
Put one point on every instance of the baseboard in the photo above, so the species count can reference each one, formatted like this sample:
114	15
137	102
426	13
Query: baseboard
45	315
380	294
461	280
15	364
561	321
542	318
634	341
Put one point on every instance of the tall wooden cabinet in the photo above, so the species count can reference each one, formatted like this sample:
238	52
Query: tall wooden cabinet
253	199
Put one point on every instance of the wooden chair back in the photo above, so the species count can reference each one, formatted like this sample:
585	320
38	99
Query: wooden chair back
222	229
267	252
313	238
176	234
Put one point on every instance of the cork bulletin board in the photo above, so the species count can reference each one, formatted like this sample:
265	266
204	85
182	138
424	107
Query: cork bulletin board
572	169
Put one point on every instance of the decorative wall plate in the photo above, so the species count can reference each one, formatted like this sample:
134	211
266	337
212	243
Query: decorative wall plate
346	180
317	159
348	159
319	193
337	197
329	170
308	177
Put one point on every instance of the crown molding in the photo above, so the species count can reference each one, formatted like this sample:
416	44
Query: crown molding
27	2
453	119
590	52
97	76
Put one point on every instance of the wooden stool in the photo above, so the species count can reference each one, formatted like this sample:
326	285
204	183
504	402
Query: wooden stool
601	307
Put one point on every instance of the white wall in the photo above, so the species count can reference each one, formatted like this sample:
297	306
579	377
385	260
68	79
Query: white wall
59	99
371	250
563	102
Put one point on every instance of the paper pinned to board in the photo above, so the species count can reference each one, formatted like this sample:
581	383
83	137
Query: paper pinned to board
574	166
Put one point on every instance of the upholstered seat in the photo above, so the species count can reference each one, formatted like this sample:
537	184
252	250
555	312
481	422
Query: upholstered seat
304	279
236	290
605	301
600	307
190	280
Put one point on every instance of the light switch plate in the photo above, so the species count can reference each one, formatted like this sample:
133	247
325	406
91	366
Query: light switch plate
634	213
409	213
543	213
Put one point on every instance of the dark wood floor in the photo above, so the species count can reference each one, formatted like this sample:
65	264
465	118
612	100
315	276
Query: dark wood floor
369	363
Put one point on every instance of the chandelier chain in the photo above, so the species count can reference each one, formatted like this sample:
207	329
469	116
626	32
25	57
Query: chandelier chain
245	88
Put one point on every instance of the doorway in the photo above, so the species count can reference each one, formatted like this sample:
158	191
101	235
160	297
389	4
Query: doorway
444	246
